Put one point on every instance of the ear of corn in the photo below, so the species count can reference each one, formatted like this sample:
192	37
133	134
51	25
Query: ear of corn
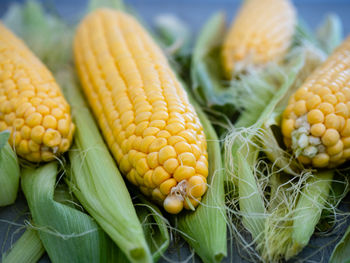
316	122
27	249
142	109
9	171
32	106
262	32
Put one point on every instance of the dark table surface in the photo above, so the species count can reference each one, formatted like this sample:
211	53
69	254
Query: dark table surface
195	13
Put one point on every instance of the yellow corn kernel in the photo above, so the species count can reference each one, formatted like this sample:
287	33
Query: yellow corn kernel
262	32
141	107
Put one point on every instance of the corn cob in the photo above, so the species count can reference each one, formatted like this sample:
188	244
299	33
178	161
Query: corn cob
316	123
32	106
261	33
142	109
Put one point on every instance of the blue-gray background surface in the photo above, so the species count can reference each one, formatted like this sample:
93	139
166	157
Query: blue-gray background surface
195	13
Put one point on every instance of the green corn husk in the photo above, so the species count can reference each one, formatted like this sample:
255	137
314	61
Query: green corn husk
341	252
27	249
9	171
67	234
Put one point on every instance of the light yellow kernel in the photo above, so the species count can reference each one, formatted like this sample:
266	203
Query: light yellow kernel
346	130
300	108
287	127
49	122
150	131
37	133
187	159
52	138
315	116
175	139
175	128
323	91
157	144
196	186
18	124
166	186
142	166
160	124
332	121
137	144
124	164
196	151
301	93
320	160
346	142
183	172
42	109
342	109
182	147
173	205
170	165
23	147
313	102
34	119
146	142
336	148
152	160
163	134
160	175
64	146
33	146
166	153
148	179
330	137
63	127
202	168
57	113
326	108
317	129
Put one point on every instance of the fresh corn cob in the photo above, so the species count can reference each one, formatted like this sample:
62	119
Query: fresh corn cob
142	109
32	106
316	123
261	33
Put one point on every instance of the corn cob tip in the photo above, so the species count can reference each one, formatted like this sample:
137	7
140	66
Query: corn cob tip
316	123
142	109
32	106
261	33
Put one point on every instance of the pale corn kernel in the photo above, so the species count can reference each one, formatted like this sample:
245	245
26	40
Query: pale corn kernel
131	177
124	164
33	146
157	144
323	91
326	108
313	102
148	179
300	94
141	127
18	123
63	127
64	146
315	116
57	113
166	186
37	134
332	121
52	138
23	147
182	147
287	127
160	175
152	159
196	186
330	137
318	129
346	130
166	153
49	122
164	134
142	166
157	195
160	124
342	109
139	179
330	98
300	108
187	159
320	160
170	165
183	172
336	148
202	169
16	138
150	131
175	139
173	204
196	151
145	143
336	158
